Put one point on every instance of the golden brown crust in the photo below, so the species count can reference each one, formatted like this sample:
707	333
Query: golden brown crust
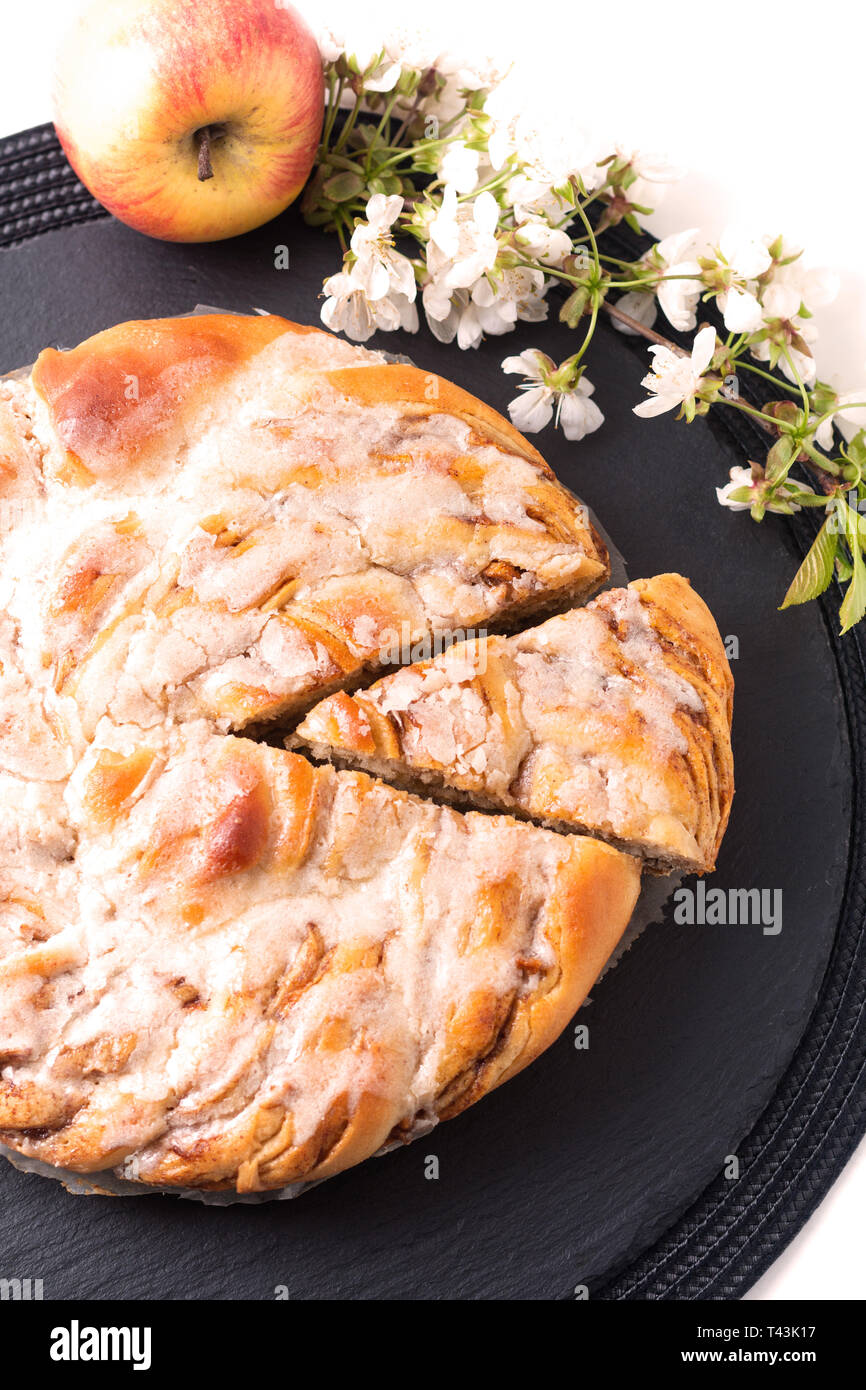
295	964
582	913
613	719
255	513
110	398
694	649
221	966
419	394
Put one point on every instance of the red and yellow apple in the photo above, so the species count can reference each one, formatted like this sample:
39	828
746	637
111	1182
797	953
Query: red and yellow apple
190	120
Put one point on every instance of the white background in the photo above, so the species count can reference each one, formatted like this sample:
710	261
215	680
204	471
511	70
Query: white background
763	103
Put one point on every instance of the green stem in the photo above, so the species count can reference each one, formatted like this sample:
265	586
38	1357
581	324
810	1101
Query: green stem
756	371
409	153
828	414
593	320
826	464
650	280
348	124
386	116
410	114
615	260
757	414
591	235
807	406
335	92
496	182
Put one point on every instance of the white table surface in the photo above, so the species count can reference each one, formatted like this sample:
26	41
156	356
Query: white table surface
763	104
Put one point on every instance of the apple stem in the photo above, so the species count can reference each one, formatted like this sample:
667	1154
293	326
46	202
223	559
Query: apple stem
205	168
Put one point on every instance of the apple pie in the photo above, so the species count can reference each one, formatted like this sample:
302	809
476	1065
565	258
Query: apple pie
234	515
220	964
258	971
613	719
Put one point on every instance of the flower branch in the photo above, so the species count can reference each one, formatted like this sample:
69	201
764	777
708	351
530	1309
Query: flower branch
446	197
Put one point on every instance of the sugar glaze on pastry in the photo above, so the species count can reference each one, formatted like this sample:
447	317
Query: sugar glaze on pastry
220	965
613	719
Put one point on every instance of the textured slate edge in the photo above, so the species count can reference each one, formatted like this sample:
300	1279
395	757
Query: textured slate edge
38	187
735	1230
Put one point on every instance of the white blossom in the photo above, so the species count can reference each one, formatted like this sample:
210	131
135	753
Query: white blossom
463	243
792	288
741	477
469	239
518	293
380	270
533	409
490	306
824	432
654	167
655	173
795	284
746	254
383	77
544	243
458	167
794	363
852	408
679	298
741	311
530	198
547	142
674	379
575	412
455	316
330	40
348	309
639	306
368	58
413	46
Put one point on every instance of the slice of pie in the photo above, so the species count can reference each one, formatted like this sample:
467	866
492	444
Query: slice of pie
613	719
246	971
228	517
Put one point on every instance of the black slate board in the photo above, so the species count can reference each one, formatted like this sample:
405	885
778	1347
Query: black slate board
705	1042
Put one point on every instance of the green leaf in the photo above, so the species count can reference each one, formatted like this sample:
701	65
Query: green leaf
319	217
857	449
780	458
775	247
816	571
799	343
574	307
854	603
740	494
341	188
